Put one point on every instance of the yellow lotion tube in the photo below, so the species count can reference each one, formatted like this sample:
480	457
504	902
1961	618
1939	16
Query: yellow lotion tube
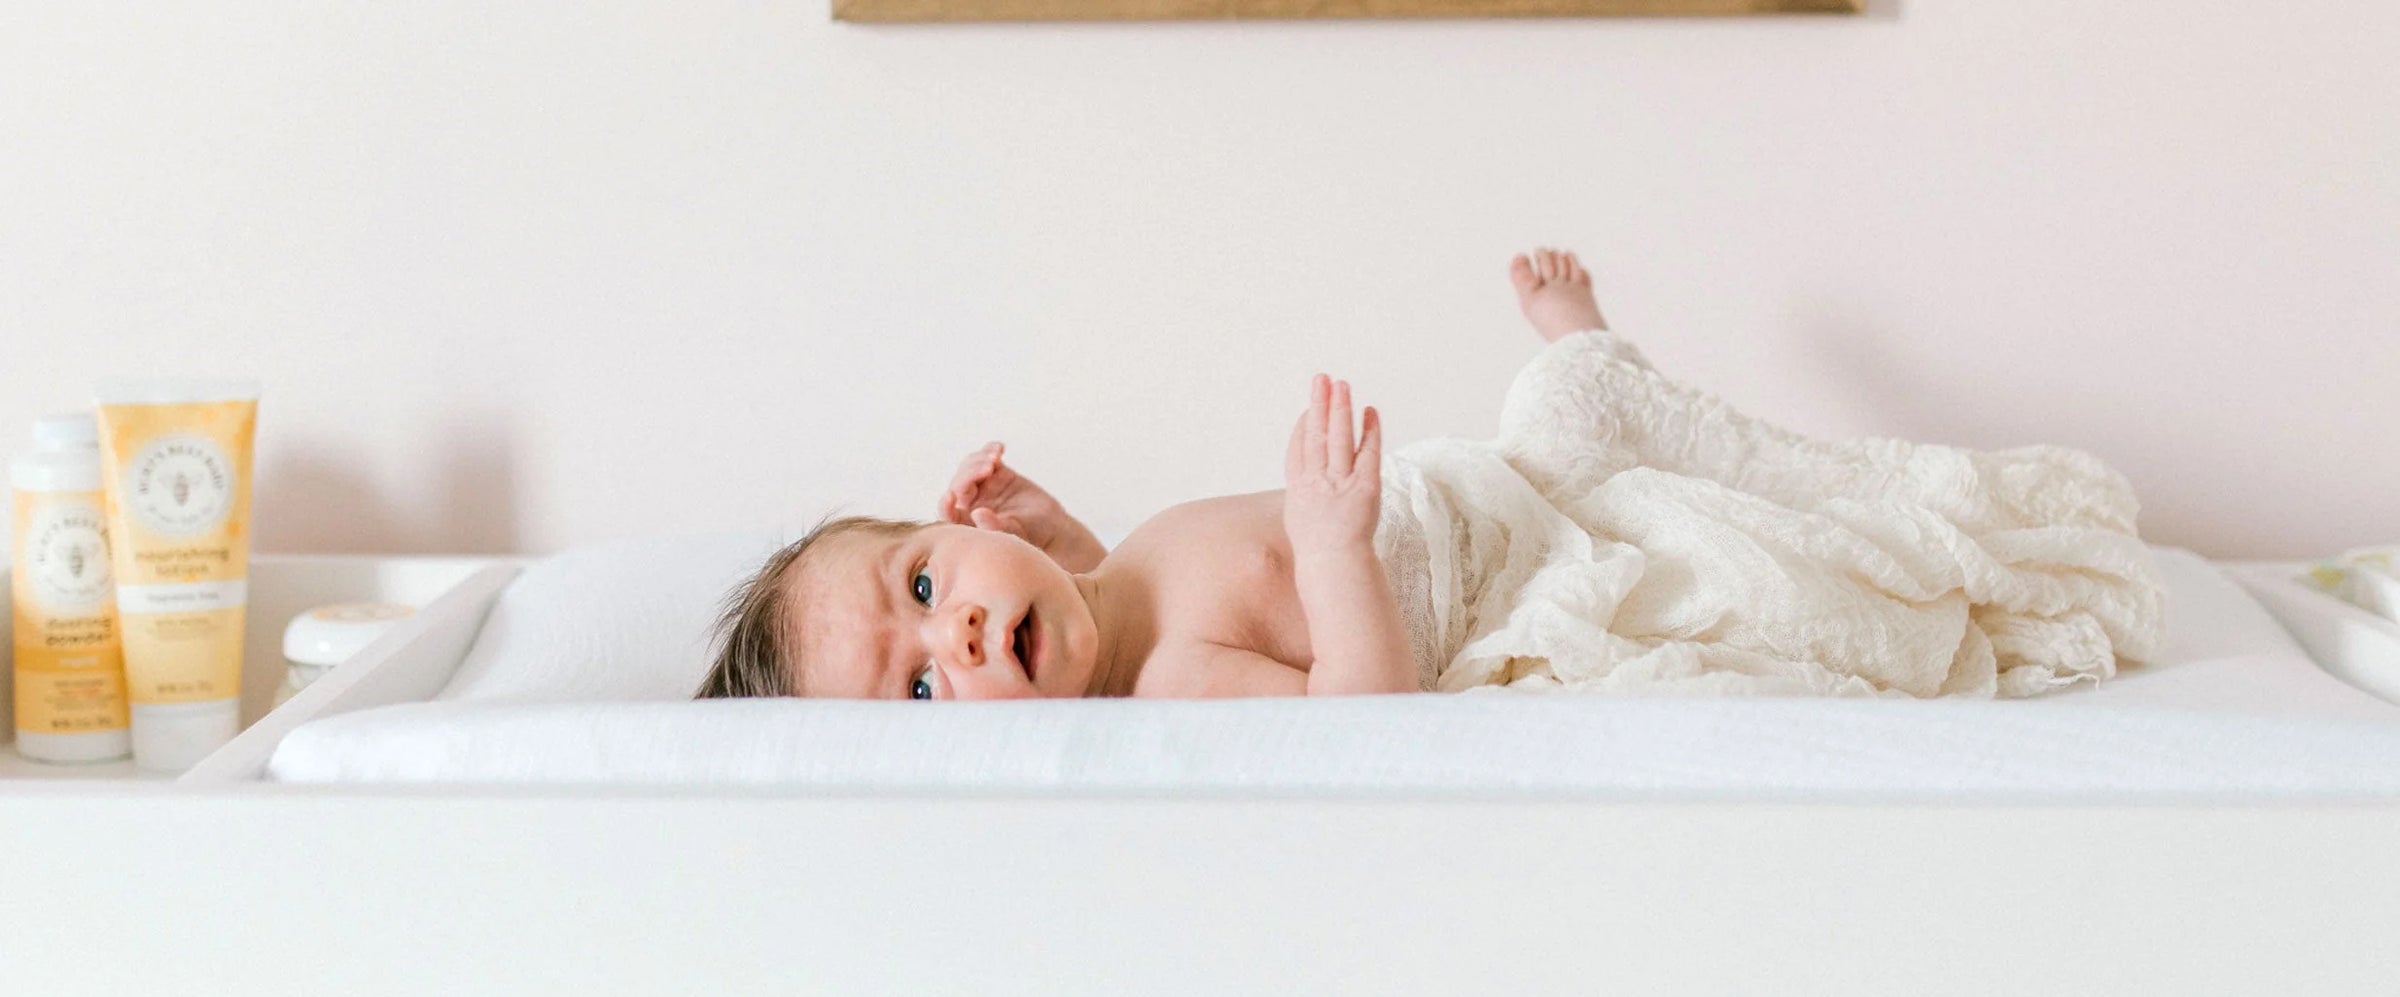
70	677
177	457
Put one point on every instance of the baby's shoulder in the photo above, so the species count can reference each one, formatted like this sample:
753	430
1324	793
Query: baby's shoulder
1211	543
1226	519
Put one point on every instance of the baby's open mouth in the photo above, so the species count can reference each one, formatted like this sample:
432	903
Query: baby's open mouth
1021	642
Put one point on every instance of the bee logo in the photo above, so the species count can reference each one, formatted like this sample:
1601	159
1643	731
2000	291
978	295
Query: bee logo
67	548
180	485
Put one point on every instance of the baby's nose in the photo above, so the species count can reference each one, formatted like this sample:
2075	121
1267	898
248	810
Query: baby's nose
964	635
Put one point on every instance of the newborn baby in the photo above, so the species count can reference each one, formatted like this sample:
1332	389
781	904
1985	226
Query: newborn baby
1623	534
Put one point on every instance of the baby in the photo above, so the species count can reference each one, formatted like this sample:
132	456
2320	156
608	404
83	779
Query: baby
1624	534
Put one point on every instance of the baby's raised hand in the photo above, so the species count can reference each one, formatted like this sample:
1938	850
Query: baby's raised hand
990	495
1330	486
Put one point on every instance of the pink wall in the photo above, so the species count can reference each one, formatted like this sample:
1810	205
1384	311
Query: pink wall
527	275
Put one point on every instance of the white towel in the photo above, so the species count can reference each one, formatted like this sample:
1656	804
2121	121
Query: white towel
1628	534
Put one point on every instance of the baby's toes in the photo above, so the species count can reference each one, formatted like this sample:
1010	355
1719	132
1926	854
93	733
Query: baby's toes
1521	275
1576	274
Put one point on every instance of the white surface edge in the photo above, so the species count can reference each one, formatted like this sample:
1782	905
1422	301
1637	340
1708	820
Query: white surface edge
2351	644
410	663
456	893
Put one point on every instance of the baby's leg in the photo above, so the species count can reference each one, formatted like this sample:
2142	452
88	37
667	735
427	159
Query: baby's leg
1555	292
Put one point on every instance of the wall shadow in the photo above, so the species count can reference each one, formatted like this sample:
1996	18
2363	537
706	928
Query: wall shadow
1868	365
476	511
316	496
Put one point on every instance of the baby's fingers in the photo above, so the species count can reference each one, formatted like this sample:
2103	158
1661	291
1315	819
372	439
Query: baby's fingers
959	499
1370	442
1312	437
1340	449
968	482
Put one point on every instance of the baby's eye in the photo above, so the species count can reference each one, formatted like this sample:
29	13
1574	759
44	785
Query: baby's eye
922	587
922	687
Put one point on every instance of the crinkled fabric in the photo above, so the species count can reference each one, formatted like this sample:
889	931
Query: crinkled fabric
1627	534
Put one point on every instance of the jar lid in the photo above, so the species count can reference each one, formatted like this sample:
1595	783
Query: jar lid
66	431
55	471
329	635
173	737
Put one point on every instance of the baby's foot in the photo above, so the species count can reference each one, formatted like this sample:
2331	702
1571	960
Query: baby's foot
1555	292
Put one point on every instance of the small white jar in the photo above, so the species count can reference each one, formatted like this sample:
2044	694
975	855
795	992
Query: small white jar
326	636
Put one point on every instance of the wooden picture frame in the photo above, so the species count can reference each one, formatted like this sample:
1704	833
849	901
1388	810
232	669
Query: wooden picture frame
1178	10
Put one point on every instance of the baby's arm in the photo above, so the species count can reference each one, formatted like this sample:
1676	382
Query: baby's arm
1329	508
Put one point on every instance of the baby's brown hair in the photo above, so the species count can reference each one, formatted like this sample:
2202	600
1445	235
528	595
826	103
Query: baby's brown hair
758	652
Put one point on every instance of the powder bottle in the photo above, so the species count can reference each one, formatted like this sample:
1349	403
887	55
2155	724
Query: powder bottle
70	666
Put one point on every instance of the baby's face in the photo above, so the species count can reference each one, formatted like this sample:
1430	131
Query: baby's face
946	612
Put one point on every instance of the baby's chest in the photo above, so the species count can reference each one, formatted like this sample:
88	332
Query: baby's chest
1240	595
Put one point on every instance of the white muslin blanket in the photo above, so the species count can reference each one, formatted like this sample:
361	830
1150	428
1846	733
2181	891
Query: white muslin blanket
1627	534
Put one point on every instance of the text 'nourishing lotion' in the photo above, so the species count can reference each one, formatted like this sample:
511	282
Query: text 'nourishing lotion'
177	461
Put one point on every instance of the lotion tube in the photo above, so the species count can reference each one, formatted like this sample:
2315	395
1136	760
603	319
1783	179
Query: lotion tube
176	456
70	697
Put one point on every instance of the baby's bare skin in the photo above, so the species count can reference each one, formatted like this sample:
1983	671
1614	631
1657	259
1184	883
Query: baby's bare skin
1273	593
1555	292
1218	573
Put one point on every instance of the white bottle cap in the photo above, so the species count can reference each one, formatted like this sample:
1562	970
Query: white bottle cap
328	635
172	737
55	471
87	746
66	431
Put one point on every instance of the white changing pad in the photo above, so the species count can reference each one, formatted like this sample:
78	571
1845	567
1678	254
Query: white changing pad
2234	710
